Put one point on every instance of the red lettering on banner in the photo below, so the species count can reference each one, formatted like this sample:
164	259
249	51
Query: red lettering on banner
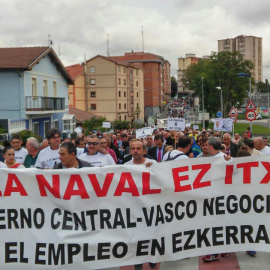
229	173
101	192
54	189
177	179
146	185
204	169
126	177
12	178
247	170
70	191
266	178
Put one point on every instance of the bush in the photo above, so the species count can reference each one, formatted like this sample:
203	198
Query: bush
28	133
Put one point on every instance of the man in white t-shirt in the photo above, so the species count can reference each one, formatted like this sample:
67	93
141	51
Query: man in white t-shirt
137	152
261	147
20	152
96	155
2	165
183	146
49	156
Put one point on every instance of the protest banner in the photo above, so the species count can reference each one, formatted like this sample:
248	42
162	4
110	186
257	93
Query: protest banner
223	124
143	132
95	218
177	124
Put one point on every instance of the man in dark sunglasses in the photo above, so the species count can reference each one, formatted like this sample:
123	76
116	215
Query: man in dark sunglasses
95	156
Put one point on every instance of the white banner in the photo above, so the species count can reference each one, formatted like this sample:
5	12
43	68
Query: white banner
223	124
106	124
177	124
95	218
143	132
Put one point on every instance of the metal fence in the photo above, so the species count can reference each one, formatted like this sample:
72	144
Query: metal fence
44	104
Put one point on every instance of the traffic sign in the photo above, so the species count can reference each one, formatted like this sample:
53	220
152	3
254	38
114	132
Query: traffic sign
233	112
251	115
250	106
234	118
219	114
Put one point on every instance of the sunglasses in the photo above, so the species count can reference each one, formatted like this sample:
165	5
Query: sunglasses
92	143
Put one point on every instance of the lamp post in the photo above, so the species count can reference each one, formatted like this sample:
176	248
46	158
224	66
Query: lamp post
202	78
221	100
247	75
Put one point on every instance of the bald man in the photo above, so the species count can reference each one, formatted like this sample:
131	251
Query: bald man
260	146
231	148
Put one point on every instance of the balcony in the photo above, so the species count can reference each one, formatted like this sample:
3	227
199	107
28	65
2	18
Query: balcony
44	104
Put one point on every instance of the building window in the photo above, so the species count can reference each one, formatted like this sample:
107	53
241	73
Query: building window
46	128
34	87
120	117
36	128
56	124
131	75
137	94
119	93
125	106
125	94
119	106
125	118
137	83
54	89
92	81
124	69
119	81
137	106
124	81
93	94
118	68
45	88
93	107
92	69
137	72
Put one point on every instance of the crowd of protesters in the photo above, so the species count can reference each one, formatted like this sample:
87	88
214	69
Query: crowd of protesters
122	147
178	107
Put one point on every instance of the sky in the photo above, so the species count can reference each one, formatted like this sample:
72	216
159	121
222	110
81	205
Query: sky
172	28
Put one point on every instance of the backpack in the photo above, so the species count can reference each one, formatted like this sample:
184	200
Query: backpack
173	158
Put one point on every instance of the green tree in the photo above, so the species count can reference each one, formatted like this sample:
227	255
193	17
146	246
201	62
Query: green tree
121	124
174	89
261	86
220	71
93	123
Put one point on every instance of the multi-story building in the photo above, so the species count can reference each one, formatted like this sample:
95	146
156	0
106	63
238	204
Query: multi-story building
34	90
114	89
251	49
183	64
157	79
77	92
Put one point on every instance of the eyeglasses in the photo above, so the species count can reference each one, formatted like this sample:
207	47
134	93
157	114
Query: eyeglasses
92	143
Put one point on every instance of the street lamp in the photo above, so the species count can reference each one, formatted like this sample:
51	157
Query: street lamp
247	75
221	100
202	78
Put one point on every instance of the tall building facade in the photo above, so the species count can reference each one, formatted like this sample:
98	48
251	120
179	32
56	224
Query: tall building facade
114	89
183	64
251	49
157	79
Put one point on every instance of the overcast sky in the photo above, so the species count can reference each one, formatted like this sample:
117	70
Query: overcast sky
172	28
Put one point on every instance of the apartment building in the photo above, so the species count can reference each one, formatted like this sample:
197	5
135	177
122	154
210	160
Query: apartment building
77	92
114	89
157	79
183	64
251	49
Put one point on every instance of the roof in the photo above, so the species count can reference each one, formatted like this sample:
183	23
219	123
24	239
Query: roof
26	58
139	57
81	115
116	61
75	70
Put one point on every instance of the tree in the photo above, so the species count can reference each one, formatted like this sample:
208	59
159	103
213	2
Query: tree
261	87
118	124
174	89
93	123
220	71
